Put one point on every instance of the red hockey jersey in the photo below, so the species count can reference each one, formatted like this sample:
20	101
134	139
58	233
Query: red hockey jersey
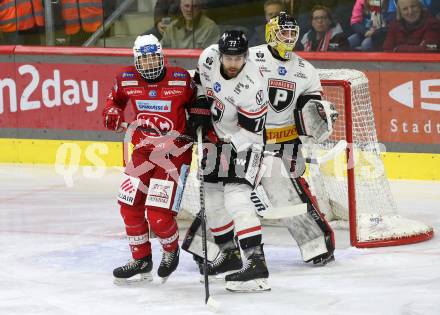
160	107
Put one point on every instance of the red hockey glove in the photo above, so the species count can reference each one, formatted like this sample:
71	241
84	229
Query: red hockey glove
113	117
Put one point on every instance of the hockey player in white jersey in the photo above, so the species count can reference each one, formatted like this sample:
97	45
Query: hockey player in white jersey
233	103
295	109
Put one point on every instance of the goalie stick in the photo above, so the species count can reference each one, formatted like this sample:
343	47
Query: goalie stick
259	196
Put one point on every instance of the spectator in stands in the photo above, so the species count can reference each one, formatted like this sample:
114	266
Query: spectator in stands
81	19
193	29
325	35
164	12
21	21
271	9
366	20
414	30
433	7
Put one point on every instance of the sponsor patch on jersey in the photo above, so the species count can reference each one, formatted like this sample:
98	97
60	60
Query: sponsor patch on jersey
301	75
160	193
209	61
170	92
259	98
127	189
152	93
217	87
260	54
179	75
134	91
128	75
281	94
177	83
282	70
154	106
129	83
301	62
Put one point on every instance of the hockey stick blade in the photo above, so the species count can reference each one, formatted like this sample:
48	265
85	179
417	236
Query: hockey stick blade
338	148
284	212
213	305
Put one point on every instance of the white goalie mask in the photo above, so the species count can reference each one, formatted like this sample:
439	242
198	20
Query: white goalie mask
148	56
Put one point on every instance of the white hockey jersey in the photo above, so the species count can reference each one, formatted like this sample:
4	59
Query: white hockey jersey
285	82
239	104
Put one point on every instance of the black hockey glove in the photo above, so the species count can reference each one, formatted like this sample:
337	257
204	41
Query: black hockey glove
199	116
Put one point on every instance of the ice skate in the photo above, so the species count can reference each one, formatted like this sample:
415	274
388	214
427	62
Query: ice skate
168	264
136	271
252	277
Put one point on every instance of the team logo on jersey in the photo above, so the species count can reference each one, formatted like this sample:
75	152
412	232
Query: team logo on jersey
282	70
154	125
179	75
217	87
260	54
152	93
170	92
134	91
154	106
281	94
128	75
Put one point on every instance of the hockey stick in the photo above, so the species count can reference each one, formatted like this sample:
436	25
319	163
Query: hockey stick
331	154
209	301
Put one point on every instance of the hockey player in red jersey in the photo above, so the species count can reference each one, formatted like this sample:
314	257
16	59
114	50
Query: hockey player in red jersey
153	181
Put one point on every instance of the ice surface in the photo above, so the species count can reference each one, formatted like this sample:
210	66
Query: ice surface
59	245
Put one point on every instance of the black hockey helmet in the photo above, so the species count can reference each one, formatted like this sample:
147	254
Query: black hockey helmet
233	43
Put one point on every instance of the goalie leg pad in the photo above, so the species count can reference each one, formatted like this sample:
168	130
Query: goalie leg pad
310	230
302	188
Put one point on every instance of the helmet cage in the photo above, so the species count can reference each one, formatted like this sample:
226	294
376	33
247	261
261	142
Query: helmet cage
149	66
281	39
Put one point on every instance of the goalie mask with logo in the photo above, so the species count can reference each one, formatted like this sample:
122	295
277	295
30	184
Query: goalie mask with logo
282	33
148	57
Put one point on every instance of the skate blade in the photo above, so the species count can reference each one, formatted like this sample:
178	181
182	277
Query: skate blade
218	277
164	280
214	278
139	279
256	285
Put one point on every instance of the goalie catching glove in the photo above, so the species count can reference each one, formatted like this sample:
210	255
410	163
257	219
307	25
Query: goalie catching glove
316	119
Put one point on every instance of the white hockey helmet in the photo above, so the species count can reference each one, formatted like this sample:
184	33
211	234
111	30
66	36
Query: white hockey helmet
148	56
